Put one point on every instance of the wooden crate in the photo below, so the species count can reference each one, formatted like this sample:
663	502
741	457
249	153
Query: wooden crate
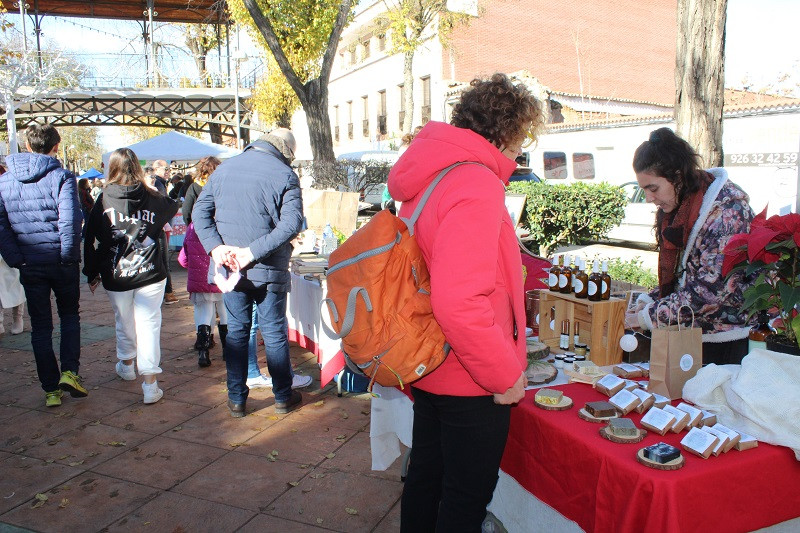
601	323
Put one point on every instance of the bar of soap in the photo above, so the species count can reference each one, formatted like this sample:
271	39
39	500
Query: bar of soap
681	418
610	384
734	436
625	401
647	400
626	370
723	441
600	409
657	420
746	442
661	453
709	419
660	401
695	414
622	427
549	396
700	442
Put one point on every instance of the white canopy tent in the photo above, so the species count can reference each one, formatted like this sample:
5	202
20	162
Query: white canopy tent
177	148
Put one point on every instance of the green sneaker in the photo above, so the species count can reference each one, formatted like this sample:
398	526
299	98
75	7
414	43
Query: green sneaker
53	398
71	382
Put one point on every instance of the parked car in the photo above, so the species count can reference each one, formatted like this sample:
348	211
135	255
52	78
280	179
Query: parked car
367	175
637	226
523	173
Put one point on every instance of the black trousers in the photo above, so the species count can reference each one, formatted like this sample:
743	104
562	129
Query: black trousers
457	445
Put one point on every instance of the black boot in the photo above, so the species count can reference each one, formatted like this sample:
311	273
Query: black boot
203	334
211	341
223	334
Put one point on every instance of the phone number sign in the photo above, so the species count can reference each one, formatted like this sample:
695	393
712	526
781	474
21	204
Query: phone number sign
758	159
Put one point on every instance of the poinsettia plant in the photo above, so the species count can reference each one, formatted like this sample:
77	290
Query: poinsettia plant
771	252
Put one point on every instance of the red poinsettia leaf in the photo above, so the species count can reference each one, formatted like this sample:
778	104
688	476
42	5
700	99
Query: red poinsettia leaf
757	241
759	219
785	225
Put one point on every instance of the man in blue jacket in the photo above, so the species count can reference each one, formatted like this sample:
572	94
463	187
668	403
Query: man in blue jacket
249	211
40	231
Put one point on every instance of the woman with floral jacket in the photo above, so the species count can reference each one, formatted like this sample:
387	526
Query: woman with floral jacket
698	212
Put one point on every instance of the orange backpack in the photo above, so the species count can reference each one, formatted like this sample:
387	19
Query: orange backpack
379	300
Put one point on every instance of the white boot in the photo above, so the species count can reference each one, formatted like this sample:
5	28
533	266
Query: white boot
2	328
151	392
16	319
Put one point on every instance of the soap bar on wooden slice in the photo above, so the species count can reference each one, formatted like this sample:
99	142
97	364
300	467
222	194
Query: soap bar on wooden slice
600	409
675	464
661	452
610	384
623	427
658	420
709	419
746	442
647	400
734	436
699	442
625	401
695	414
723	441
549	396
627	371
681	418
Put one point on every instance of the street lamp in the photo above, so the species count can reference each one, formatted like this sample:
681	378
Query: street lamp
238	57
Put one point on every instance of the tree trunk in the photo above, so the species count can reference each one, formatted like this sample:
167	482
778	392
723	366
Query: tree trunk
408	86
319	125
700	76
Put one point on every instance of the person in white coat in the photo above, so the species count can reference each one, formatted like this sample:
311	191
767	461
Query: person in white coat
12	296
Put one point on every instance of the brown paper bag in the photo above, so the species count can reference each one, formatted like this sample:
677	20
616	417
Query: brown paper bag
676	354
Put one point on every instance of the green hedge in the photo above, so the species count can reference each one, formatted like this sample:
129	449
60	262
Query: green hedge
558	215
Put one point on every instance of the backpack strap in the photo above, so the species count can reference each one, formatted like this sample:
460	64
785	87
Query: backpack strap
411	222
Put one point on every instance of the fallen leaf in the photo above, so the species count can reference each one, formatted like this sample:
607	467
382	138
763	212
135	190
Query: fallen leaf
76	463
331	455
95	423
365	412
305	491
53	442
36	436
237	444
345	415
273	417
317	476
294	430
48	461
303	466
93	454
350	510
274	452
341	437
114	493
63	457
294	483
177	428
319	403
64	503
116	444
40	499
320	520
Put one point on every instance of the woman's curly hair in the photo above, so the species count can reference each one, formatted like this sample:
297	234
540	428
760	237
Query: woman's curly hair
499	111
206	166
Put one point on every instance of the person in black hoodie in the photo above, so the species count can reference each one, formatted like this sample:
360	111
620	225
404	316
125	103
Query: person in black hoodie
127	222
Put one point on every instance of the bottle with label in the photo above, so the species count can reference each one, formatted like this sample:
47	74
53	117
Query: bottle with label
759	333
563	341
605	288
329	239
565	277
576	338
552	279
595	282
581	281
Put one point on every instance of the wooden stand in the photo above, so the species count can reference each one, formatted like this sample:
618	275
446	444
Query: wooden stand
675	464
601	324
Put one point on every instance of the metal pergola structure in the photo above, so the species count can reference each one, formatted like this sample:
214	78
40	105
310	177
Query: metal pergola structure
206	11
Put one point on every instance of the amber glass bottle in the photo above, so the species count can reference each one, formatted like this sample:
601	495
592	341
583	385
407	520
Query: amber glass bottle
595	282
565	277
605	288
552	279
581	281
759	333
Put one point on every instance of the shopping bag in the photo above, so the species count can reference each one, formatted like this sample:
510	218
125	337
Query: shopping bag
676	354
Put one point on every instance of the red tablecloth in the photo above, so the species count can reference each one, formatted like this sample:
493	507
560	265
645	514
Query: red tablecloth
562	460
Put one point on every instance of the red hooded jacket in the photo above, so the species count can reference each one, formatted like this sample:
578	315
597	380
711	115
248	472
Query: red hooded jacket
468	241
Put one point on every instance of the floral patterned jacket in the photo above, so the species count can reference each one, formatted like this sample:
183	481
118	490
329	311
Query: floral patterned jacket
715	301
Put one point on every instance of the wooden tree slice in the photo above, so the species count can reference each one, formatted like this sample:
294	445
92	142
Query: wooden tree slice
584	414
675	464
563	405
606	434
541	373
537	350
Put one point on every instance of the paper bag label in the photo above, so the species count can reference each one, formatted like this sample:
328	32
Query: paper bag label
687	361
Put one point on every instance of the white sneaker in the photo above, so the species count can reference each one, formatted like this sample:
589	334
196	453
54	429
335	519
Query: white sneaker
151	392
260	382
17	314
298	381
126	372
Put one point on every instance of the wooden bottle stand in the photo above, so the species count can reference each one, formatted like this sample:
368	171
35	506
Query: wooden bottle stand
602	324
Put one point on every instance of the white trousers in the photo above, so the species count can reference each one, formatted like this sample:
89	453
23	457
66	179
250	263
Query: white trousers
204	311
138	317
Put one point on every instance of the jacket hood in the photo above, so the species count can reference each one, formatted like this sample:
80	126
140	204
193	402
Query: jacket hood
126	198
437	146
28	167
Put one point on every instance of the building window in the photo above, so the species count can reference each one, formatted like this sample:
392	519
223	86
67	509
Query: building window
402	114
381	42
426	99
382	112
365	43
555	165
336	123
365	123
353	57
583	166
350	119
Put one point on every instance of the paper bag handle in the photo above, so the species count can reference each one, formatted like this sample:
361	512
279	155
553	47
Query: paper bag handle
679	315
658	316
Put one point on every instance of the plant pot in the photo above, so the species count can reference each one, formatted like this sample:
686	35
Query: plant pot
780	343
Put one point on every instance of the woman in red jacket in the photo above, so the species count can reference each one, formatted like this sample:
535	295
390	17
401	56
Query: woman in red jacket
462	409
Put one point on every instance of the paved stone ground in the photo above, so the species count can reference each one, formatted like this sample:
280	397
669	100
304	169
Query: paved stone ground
110	463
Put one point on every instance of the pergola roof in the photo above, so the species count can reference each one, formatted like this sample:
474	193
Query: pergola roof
208	11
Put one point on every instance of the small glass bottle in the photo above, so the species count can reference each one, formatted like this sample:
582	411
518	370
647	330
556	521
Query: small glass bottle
565	277
552	279
605	289
576	333
581	281
595	282
563	342
759	333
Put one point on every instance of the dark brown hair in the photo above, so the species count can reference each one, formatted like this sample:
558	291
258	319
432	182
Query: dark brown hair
206	166
42	138
672	158
124	169
499	111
